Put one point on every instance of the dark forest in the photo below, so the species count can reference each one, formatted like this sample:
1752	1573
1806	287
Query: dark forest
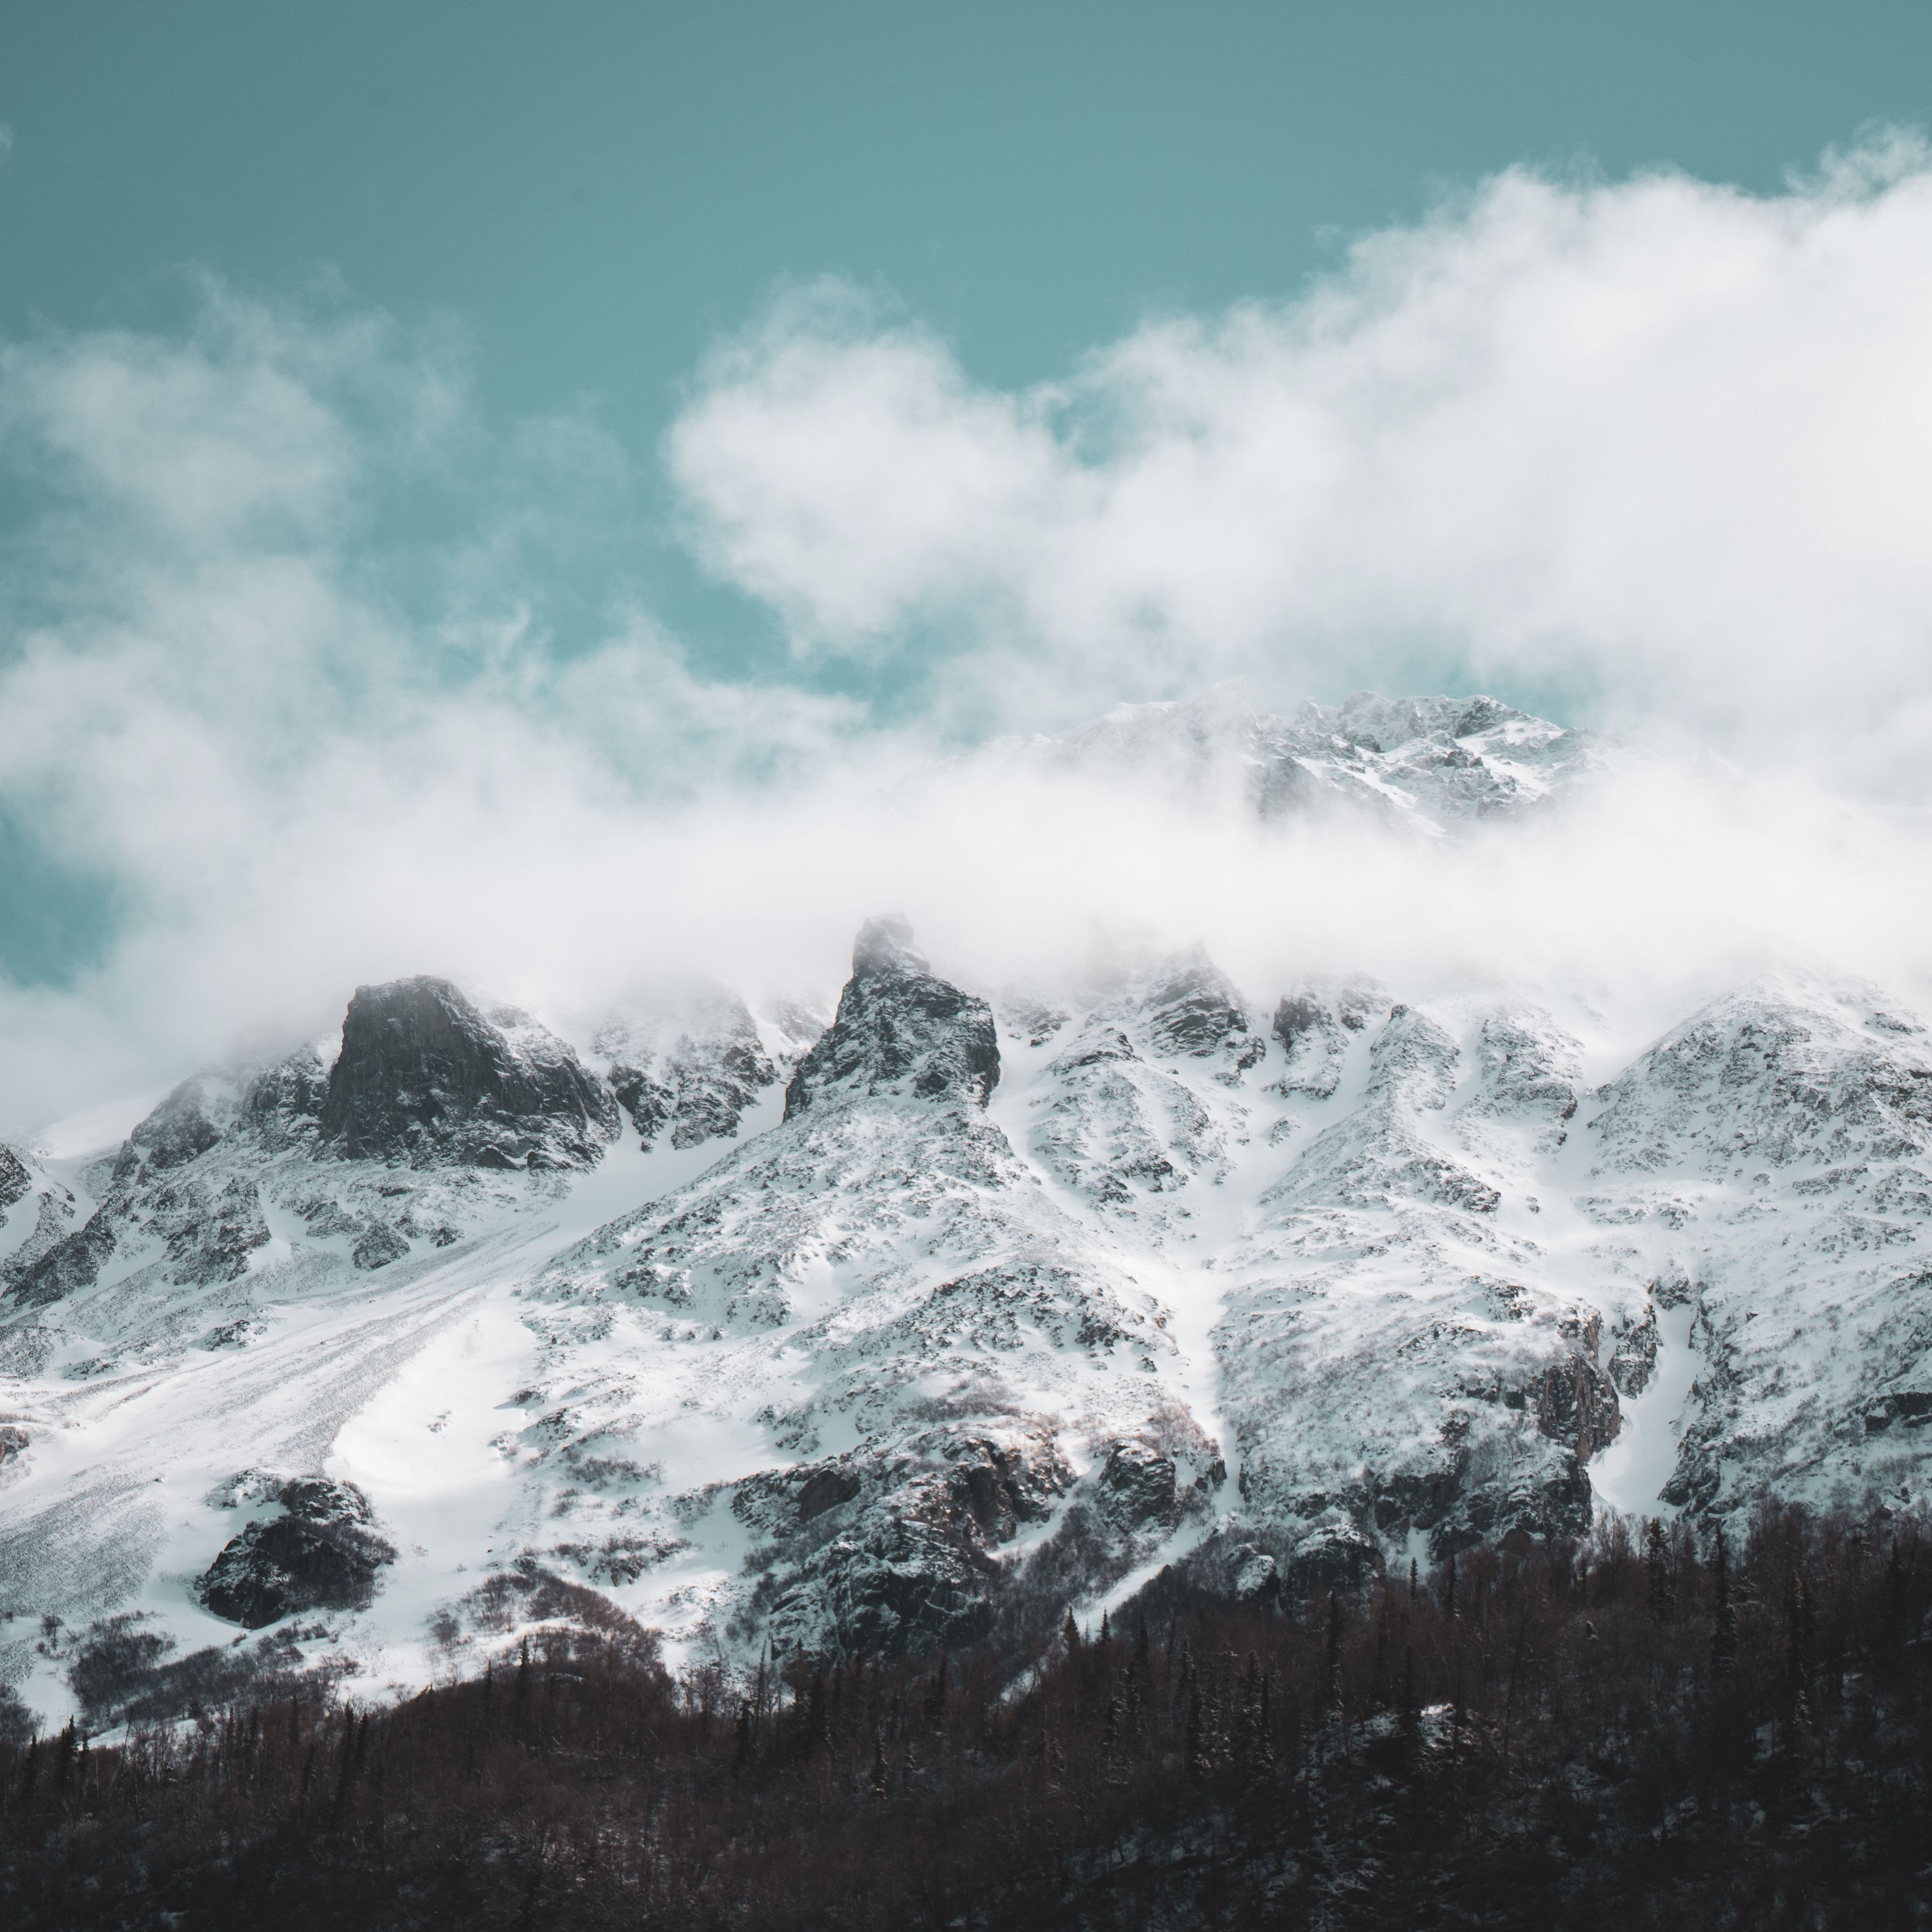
1658	1729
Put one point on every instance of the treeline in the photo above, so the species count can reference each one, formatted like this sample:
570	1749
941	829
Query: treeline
1654	1731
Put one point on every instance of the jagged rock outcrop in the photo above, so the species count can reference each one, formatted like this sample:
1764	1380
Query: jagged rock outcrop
424	1077
15	1183
73	1263
282	1104
1315	1025
321	1551
899	1029
188	1123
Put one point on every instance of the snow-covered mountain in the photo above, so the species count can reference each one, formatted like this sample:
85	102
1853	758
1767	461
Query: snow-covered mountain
1429	765
914	1328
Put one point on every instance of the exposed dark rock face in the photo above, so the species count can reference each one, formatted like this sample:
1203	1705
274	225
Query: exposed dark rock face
1136	1489
15	1181
74	1263
283	1104
379	1247
1192	1008
892	1554
825	1489
424	1077
1577	1404
186	1124
1906	1409
899	1028
1633	1361
322	1552
212	1225
1315	1024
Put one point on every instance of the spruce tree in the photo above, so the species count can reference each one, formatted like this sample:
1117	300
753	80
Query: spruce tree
1331	1666
1724	1618
1801	1653
1662	1589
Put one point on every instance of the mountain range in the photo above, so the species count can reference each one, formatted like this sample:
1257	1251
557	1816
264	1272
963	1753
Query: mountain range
916	1323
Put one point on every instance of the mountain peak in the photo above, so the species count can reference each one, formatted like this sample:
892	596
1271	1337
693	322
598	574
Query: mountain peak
425	1075
900	1028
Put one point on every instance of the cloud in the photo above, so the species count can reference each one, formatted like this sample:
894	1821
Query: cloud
301	750
283	657
6	143
1658	444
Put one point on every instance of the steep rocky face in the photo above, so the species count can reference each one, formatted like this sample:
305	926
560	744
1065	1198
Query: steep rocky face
283	1105
899	1030
70	1262
424	1077
15	1183
423	1080
687	1069
187	1123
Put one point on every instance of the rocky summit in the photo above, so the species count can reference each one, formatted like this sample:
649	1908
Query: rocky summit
914	1326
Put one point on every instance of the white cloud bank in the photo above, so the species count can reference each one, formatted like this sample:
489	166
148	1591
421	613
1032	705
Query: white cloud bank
1656	441
1661	443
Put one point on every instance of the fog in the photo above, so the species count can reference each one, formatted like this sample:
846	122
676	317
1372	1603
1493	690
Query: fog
1654	452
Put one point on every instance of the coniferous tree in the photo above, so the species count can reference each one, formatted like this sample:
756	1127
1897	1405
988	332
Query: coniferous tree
1724	1618
1800	1655
1331	1667
1661	1590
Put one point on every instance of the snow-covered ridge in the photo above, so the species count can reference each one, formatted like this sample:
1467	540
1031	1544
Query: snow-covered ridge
978	1303
1427	765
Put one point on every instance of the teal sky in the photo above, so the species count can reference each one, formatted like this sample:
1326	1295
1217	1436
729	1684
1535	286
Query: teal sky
595	191
592	193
